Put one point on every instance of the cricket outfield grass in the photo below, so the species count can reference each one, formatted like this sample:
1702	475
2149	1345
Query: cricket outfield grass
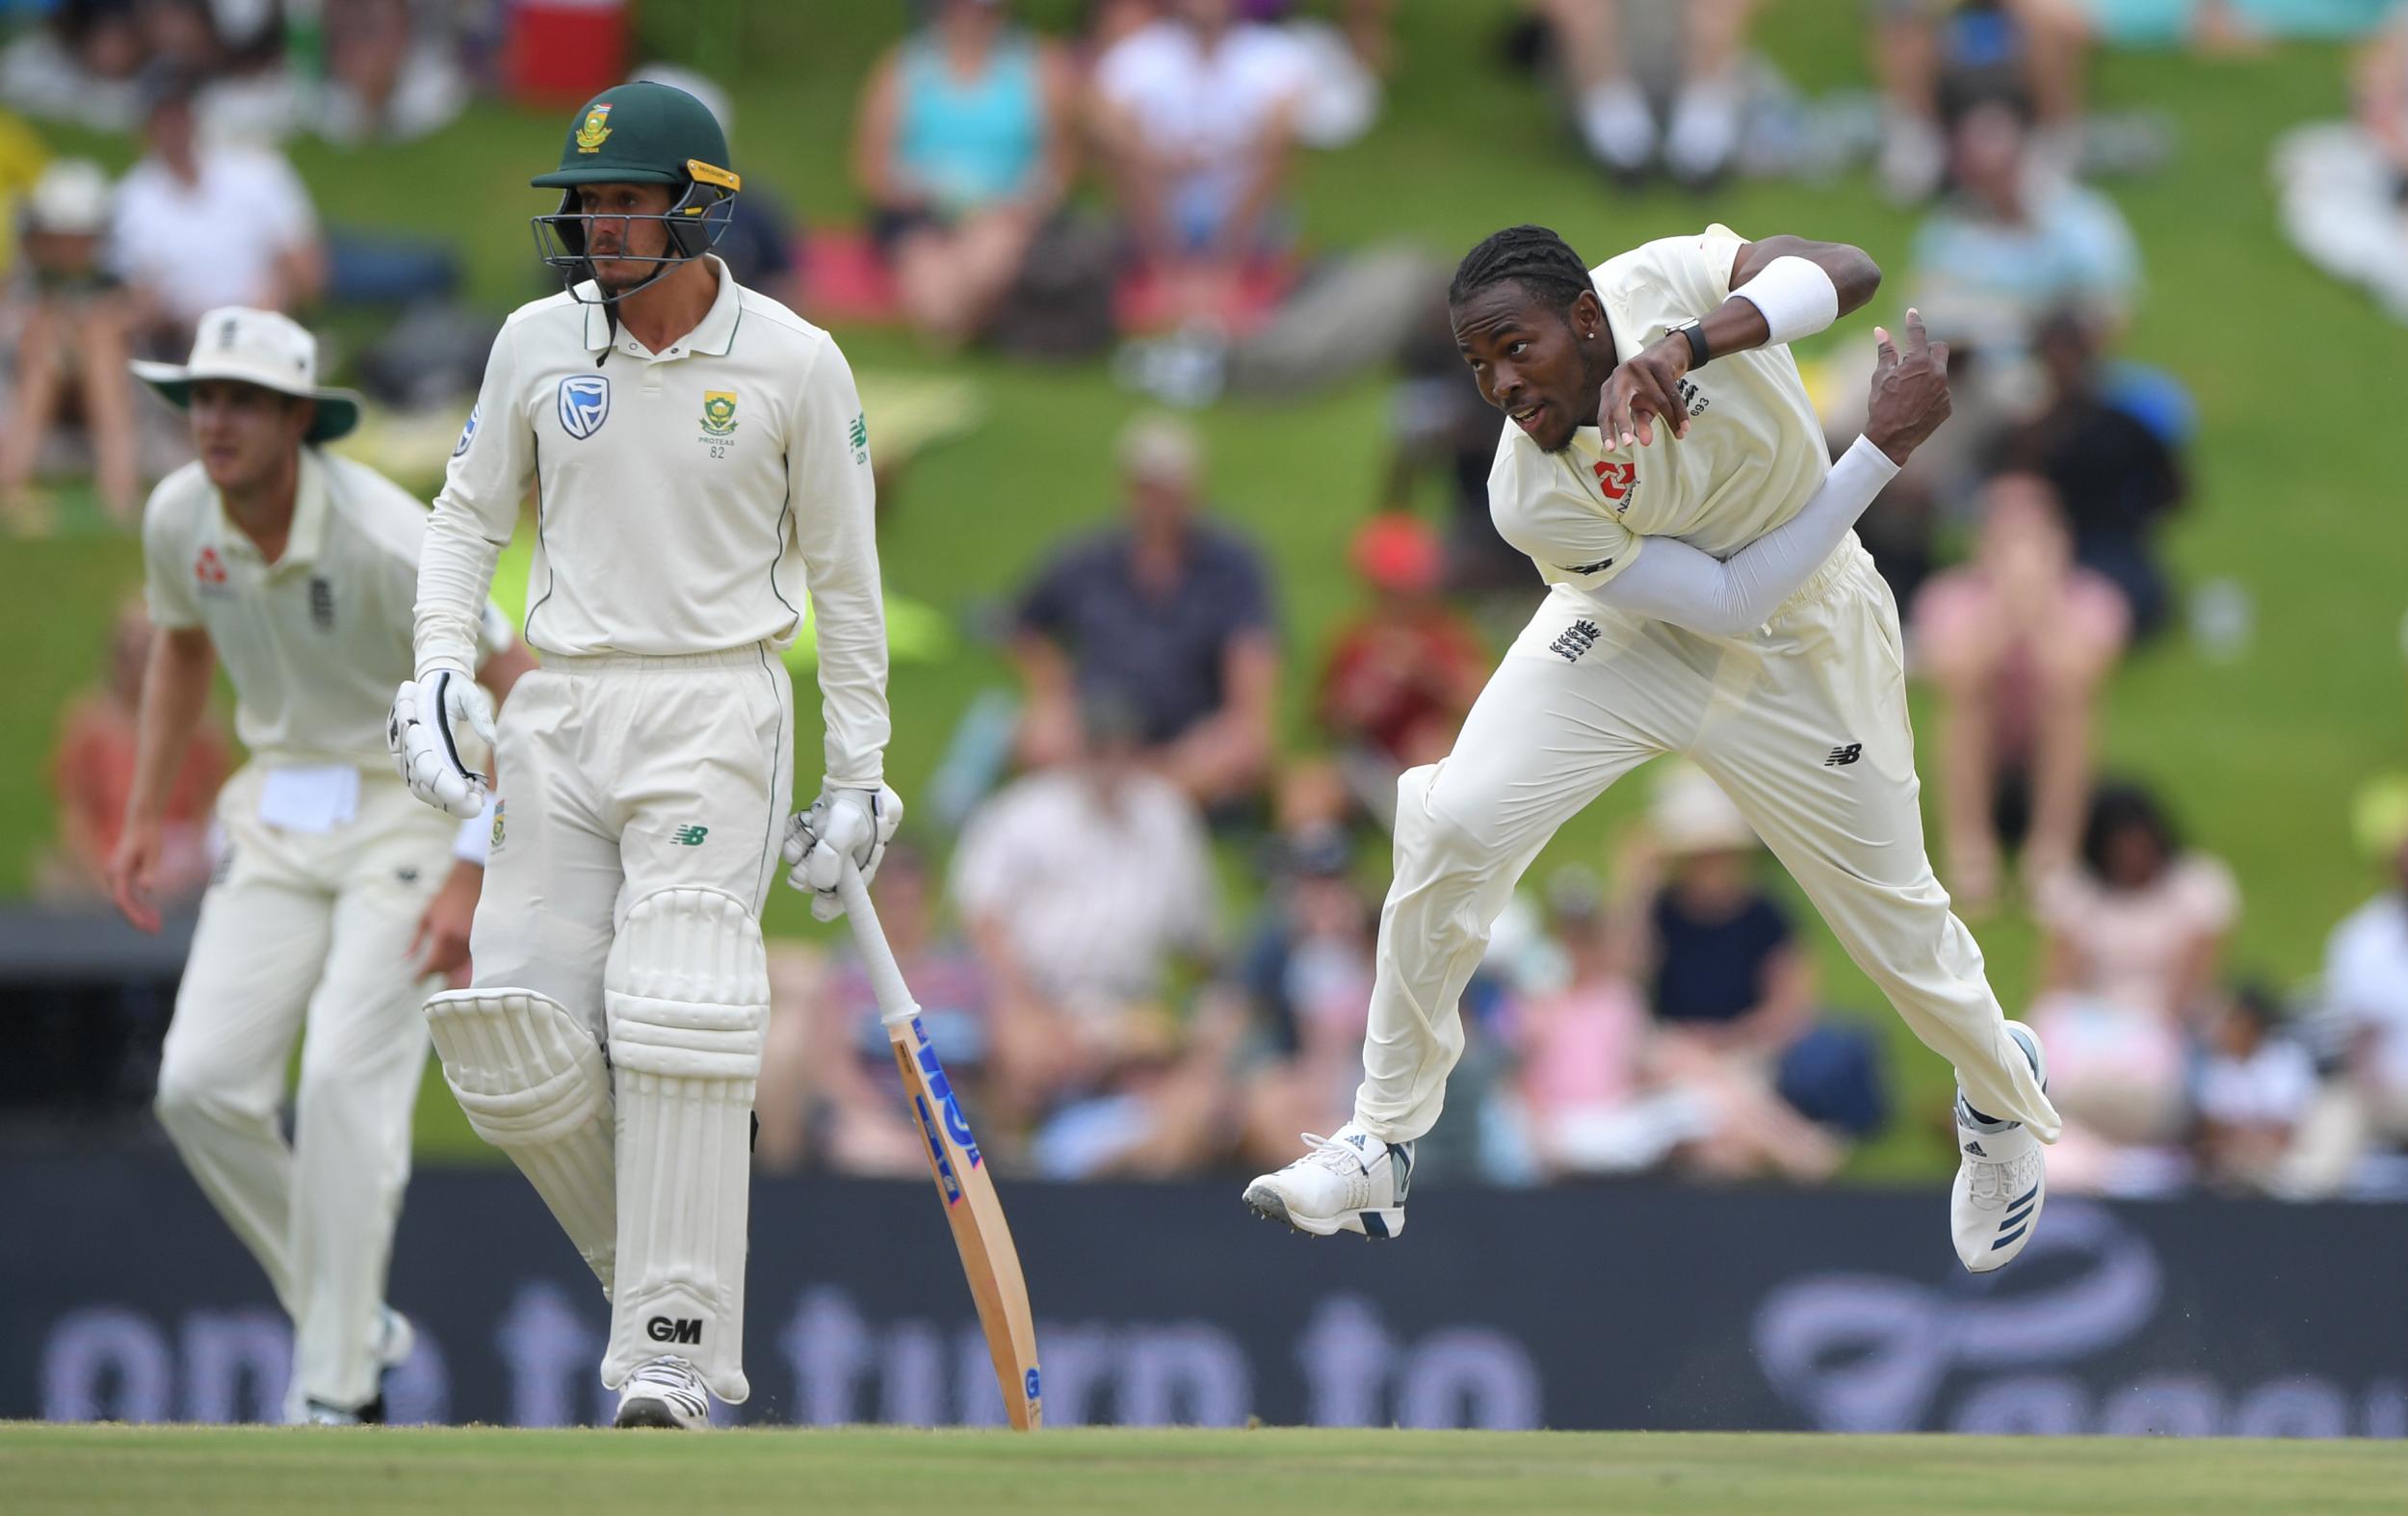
52	1471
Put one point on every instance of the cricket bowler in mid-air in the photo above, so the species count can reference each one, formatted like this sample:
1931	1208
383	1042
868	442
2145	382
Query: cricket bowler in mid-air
699	462
1664	469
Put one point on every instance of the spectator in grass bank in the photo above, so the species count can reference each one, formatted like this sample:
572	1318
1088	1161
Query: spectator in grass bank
2365	998
2342	183
2256	1085
1196	115
2110	457
965	144
1087	890
1733	992
2017	243
91	772
1936	58
199	226
1400	676
1167	616
2132	938
1308	972
2019	643
74	324
1602	45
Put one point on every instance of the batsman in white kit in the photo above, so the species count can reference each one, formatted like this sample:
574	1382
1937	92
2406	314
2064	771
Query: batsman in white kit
1664	469
338	900
700	460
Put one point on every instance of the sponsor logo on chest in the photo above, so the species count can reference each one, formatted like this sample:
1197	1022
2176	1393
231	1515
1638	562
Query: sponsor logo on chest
1617	484
209	575
585	404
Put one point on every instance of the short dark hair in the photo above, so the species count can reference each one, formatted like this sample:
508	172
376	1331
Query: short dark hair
2117	807
1532	256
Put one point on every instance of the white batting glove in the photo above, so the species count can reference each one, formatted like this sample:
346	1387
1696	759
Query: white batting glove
426	713
840	825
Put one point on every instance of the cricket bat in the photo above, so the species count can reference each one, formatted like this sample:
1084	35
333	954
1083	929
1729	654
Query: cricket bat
962	1182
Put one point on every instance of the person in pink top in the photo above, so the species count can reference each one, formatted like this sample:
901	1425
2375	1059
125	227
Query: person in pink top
2019	643
2130	943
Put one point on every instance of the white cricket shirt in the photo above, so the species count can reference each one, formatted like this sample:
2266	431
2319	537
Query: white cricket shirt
686	501
1754	453
317	641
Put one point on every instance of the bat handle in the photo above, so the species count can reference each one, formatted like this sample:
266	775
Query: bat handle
895	1005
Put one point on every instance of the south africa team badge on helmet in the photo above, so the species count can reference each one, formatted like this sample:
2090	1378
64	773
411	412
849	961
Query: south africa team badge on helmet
596	130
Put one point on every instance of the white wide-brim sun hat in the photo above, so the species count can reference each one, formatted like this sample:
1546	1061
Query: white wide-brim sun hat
255	346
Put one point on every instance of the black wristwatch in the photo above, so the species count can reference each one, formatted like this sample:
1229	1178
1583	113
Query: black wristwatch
1695	331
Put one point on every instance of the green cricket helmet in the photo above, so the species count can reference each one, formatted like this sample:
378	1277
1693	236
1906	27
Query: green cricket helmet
639	133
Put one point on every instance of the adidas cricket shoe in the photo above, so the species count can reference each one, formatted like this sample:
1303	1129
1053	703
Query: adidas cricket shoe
2002	1177
1353	1182
666	1392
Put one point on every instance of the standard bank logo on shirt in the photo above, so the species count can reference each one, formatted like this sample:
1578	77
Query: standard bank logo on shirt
585	404
468	432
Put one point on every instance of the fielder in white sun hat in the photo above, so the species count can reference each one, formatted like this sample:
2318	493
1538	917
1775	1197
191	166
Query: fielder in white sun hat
255	346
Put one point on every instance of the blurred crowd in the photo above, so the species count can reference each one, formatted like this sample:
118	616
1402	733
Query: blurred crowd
1123	187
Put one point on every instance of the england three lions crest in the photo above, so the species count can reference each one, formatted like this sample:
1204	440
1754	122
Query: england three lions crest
585	404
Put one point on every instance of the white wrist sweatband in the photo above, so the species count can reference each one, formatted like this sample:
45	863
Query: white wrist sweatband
475	838
1796	297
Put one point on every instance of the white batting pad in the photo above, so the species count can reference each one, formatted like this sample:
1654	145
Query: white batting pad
688	992
532	1082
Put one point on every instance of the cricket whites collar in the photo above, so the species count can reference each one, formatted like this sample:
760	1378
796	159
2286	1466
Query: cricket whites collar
714	335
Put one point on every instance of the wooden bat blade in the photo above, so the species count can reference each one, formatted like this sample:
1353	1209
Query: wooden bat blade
988	1258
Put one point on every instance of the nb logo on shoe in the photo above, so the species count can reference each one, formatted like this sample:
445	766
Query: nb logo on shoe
679	1329
1842	757
1574	641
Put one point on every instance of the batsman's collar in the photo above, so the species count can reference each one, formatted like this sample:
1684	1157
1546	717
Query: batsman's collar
715	334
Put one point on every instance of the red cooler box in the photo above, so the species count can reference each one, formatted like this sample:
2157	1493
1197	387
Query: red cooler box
562	52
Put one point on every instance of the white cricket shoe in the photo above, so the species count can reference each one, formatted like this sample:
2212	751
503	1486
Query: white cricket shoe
395	1339
2002	1177
666	1392
1353	1182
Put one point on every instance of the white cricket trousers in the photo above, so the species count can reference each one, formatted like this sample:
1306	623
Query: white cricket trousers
308	935
642	803
1804	723
624	777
